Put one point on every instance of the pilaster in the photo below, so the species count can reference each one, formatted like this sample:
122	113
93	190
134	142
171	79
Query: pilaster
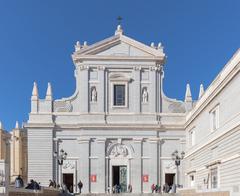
83	88
137	89
152	96
153	154
101	90
101	165
136	166
83	144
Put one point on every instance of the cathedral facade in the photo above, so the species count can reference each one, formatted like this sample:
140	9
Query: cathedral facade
117	128
120	128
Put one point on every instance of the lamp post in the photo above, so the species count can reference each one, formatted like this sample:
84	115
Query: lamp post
60	158
177	159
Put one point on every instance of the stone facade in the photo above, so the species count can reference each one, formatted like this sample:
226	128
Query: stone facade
119	126
111	135
213	134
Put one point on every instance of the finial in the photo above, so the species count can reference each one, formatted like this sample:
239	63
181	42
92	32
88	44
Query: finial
77	46
119	19
35	91
49	92
85	44
152	45
17	125
119	30
1	125
160	46
188	95
201	91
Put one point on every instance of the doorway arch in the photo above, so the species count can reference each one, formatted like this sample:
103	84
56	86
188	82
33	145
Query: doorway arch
119	167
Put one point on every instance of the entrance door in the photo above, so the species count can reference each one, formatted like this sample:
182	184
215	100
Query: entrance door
68	181
119	177
169	179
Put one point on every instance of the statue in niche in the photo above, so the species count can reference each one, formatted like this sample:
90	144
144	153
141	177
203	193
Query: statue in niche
119	150
144	95
94	94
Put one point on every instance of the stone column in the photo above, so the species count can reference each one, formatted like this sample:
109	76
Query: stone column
83	88
83	172
136	166
153	154
137	89
101	183
101	89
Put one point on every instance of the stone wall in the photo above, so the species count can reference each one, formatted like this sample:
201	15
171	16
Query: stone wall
25	192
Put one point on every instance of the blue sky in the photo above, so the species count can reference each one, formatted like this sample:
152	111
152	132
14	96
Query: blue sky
37	38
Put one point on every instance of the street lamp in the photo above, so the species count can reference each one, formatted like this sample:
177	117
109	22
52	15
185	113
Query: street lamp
177	159
60	158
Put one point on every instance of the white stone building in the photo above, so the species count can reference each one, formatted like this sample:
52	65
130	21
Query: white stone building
120	128
213	134
117	128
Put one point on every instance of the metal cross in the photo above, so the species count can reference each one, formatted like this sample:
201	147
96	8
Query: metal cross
119	19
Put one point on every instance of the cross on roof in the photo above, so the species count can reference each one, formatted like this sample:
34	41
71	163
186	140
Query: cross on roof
119	19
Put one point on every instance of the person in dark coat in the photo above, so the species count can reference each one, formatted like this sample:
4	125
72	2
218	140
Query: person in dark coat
129	188
19	182
80	186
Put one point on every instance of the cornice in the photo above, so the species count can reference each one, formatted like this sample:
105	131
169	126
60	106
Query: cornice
80	58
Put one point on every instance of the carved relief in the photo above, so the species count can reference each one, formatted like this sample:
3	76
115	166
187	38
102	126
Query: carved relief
68	165
119	150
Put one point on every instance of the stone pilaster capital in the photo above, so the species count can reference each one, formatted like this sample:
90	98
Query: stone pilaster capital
153	140
83	140
137	68
83	67
137	140
101	140
102	68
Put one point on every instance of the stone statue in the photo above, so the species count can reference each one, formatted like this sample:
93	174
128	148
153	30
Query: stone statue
94	95
144	95
77	46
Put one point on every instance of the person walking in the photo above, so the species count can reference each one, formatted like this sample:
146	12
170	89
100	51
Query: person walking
153	188
129	188
19	182
80	186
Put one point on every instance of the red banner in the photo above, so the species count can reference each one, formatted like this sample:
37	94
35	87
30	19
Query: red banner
145	178
93	178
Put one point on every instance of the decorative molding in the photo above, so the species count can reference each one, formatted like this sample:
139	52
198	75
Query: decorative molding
119	150
137	68
68	164
84	67
102	68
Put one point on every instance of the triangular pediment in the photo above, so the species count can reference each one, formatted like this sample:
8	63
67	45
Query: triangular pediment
120	45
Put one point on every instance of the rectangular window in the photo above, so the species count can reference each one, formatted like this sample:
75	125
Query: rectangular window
119	95
214	178
192	137
214	118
